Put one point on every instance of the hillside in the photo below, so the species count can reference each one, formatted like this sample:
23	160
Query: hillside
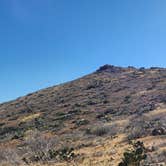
88	121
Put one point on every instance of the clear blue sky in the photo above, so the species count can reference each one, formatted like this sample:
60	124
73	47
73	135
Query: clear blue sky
47	42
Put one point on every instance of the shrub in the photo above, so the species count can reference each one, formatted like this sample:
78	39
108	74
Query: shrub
60	114
11	132
98	131
38	148
104	117
18	134
127	99
157	158
159	131
91	102
81	122
66	153
139	127
10	157
135	156
137	132
162	156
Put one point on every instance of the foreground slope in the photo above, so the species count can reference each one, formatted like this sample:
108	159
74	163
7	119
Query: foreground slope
96	115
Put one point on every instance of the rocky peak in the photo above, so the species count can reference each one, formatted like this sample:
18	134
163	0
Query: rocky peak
110	68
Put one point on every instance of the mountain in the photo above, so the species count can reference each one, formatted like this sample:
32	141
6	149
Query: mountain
89	121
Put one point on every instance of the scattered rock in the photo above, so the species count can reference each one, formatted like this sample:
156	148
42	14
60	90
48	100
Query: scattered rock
158	131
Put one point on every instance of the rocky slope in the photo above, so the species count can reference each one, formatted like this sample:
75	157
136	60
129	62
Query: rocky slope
97	116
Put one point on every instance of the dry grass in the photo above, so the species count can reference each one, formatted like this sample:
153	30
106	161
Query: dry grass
156	113
30	117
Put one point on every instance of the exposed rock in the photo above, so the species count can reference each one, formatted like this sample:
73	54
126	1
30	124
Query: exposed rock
158	131
110	68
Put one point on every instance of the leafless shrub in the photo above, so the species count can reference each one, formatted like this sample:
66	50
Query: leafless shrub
139	127
41	149
102	130
155	158
145	125
10	157
98	131
115	129
162	156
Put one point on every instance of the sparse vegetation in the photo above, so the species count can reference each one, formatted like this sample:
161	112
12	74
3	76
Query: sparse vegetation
89	121
36	148
141	126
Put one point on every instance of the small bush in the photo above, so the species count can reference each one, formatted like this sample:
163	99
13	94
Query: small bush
159	158
135	156
60	114
10	157
65	153
137	132
127	99
162	156
36	147
91	102
98	131
81	122
139	127
159	131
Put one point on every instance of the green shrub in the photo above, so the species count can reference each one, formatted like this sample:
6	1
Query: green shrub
135	156
65	153
127	99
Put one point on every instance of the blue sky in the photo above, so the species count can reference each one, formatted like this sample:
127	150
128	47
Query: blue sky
47	42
